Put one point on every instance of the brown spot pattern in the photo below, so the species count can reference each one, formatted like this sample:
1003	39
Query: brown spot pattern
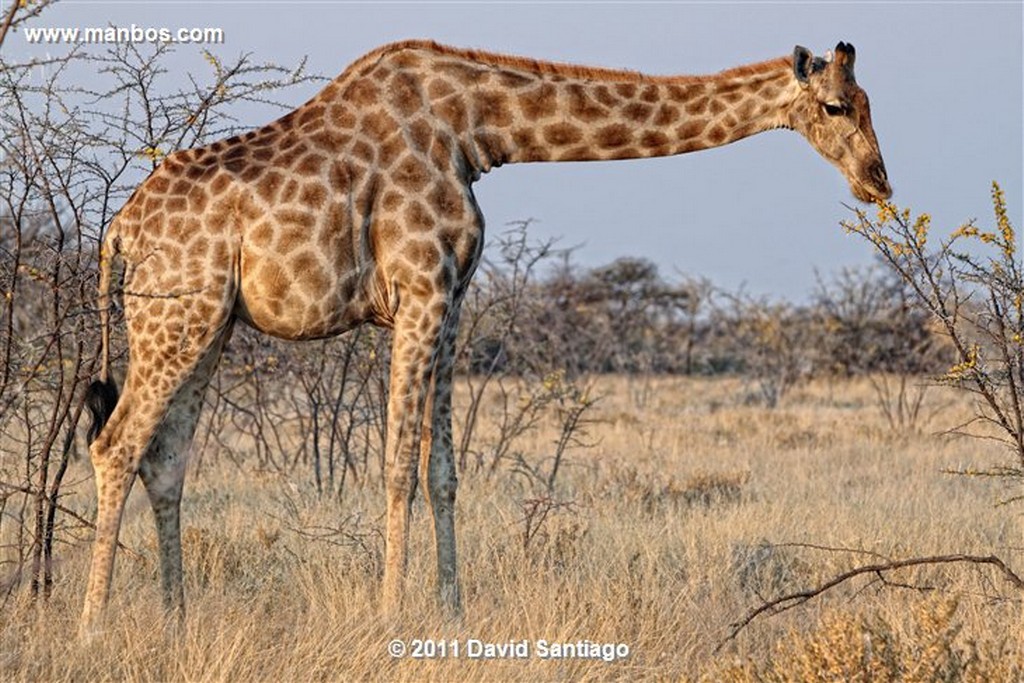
447	200
417	218
513	80
453	112
613	135
439	88
363	93
666	115
410	174
341	116
404	93
582	106
637	112
311	164
492	108
313	195
379	125
539	103
158	183
626	90
391	201
653	138
311	114
560	134
268	186
420	134
690	130
697	106
604	96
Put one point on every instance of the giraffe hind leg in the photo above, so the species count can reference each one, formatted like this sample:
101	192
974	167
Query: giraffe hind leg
163	469
172	349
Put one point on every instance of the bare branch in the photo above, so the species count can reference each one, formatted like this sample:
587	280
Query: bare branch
788	602
8	20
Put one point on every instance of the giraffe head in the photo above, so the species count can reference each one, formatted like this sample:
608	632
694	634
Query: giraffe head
832	112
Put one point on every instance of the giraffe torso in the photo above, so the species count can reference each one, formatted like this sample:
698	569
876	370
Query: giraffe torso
323	217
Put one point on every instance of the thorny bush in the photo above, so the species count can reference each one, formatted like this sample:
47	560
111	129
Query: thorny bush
971	283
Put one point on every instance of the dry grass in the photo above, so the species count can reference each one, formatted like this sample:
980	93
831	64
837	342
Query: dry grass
684	516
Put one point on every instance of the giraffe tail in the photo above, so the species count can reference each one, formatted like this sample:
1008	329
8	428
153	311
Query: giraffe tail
101	396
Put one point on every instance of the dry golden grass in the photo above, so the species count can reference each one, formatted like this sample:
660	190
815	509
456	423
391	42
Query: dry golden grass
685	515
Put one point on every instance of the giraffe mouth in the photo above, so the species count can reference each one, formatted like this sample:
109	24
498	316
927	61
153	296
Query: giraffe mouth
871	183
871	193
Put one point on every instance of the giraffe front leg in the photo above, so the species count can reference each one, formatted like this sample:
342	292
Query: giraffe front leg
437	464
414	353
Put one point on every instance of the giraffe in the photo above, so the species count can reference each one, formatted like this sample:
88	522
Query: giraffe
357	207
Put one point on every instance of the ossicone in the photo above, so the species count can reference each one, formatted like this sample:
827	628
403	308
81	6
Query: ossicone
845	56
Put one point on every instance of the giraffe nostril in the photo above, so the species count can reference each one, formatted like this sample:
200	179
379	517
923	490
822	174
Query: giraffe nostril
876	173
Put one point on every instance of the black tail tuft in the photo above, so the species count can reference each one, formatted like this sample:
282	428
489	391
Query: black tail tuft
100	397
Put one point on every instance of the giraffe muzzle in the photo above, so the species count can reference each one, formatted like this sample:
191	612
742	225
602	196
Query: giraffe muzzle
872	184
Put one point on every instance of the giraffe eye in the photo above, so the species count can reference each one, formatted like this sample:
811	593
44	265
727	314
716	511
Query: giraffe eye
834	108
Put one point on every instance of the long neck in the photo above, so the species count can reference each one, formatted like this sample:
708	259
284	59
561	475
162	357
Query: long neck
507	110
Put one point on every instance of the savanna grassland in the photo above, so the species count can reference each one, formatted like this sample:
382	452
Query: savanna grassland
648	515
688	507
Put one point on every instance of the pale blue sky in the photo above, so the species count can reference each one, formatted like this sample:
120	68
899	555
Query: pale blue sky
945	81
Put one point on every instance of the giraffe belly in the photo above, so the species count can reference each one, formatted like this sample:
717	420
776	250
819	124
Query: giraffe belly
298	298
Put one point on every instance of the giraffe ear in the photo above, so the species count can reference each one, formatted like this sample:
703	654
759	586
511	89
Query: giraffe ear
845	56
802	64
